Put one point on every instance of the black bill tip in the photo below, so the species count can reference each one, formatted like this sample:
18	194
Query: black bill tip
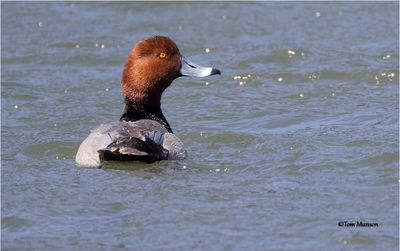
215	72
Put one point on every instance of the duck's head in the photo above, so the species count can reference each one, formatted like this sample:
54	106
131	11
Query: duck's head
151	67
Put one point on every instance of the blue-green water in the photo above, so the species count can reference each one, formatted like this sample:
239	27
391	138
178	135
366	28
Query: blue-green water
300	132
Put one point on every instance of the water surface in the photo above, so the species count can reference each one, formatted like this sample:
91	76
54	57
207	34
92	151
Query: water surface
298	134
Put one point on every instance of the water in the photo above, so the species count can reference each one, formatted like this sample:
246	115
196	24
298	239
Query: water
276	160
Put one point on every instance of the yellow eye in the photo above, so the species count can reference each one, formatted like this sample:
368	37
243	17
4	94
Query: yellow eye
162	55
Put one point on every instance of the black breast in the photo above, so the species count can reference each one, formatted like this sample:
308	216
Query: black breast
136	111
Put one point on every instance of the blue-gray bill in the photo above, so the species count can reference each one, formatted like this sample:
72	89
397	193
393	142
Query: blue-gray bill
191	69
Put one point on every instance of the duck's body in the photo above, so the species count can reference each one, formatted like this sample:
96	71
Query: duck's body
143	140
143	133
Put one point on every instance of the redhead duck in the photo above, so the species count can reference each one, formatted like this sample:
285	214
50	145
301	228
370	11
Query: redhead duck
142	133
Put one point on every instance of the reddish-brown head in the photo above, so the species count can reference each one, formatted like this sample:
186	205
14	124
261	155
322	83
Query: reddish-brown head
151	67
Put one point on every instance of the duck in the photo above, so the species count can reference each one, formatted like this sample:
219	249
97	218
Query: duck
143	133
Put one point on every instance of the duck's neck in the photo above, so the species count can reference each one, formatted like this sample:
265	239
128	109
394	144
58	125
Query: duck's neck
135	110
